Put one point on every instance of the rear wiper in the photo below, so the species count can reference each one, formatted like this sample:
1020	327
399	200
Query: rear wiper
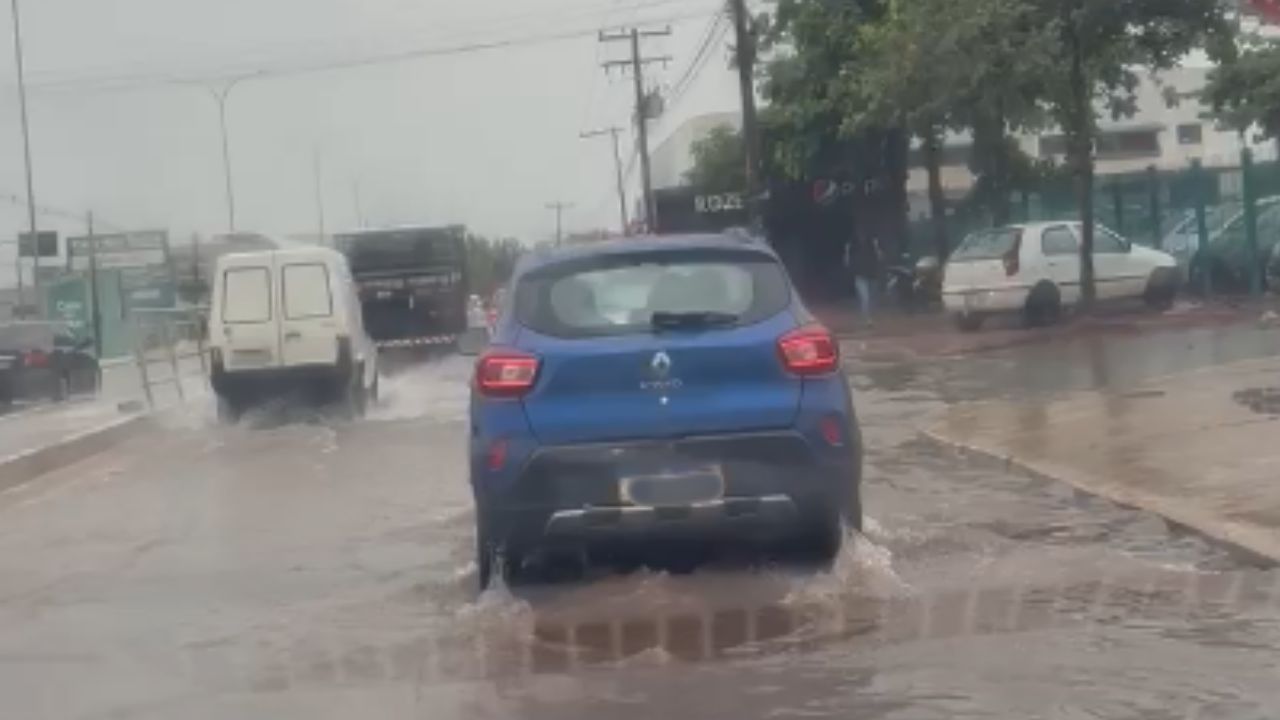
677	320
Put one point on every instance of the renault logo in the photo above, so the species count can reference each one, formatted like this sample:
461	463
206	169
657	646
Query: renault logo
661	365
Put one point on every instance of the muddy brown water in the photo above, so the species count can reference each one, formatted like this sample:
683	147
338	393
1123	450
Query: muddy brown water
298	567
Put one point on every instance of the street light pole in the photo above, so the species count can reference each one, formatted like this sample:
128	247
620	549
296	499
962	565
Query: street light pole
26	154
220	96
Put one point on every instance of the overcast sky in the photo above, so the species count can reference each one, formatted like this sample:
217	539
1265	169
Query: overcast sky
482	138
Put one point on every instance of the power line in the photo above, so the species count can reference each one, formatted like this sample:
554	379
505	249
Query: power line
681	87
708	36
131	82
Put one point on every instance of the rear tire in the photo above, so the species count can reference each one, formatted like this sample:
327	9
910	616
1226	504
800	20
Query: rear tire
969	322
494	556
228	411
1044	305
1162	289
822	540
62	387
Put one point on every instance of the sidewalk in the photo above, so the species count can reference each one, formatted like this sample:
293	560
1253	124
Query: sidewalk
934	334
44	436
1199	449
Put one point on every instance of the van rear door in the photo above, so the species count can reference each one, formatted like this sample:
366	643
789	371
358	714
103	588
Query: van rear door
246	307
309	314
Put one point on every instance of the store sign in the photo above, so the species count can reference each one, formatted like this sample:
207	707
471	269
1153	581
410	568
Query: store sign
724	202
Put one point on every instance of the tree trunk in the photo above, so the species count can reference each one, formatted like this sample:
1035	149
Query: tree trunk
932	147
999	206
991	163
896	148
1080	147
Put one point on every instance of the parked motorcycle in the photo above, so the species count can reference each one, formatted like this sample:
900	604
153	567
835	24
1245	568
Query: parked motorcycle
915	287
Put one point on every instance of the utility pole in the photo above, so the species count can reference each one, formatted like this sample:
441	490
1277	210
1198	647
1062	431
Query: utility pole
745	49
637	63
316	172
613	132
26	155
359	206
95	311
559	207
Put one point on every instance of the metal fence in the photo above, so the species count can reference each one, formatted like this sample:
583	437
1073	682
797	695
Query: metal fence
163	340
1222	224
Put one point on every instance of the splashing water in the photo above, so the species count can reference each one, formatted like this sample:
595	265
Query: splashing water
437	390
863	569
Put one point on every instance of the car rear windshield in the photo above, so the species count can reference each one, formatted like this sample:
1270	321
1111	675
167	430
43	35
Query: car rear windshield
622	294
988	244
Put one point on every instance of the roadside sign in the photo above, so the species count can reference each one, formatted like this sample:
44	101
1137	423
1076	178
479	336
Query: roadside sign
47	240
147	248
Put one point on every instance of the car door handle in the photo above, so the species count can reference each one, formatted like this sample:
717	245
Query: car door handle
293	335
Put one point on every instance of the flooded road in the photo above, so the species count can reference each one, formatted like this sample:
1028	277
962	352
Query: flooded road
290	568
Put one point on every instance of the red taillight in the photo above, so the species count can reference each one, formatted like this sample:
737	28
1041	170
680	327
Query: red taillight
831	430
35	359
496	457
809	350
503	373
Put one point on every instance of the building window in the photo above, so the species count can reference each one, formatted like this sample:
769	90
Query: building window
1114	145
1190	134
1127	145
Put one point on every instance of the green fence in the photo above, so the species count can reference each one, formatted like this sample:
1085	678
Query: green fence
1222	224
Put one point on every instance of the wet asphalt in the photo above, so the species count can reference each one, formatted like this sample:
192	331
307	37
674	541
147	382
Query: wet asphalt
297	567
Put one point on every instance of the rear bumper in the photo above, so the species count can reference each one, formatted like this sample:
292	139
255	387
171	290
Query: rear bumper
771	482
252	385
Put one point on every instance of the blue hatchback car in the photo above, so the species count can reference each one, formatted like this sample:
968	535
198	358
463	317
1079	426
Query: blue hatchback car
668	388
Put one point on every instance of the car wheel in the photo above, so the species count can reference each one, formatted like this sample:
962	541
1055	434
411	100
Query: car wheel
969	322
1162	289
821	536
494	557
1044	305
228	411
62	387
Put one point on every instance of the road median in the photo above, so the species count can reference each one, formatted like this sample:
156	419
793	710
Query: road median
1199	449
75	444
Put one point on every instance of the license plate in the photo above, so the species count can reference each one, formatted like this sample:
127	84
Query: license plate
250	358
677	487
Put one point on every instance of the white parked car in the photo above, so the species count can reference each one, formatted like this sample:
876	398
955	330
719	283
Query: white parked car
1034	270
288	323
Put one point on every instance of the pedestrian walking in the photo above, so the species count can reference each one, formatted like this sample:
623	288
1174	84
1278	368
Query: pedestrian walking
866	274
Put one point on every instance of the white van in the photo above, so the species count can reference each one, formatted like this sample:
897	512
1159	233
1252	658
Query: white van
288	323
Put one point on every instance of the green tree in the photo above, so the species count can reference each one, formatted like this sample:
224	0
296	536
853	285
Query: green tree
719	162
1096	48
1244	91
490	262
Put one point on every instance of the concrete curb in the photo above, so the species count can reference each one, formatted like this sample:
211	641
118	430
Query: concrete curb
26	466
1247	538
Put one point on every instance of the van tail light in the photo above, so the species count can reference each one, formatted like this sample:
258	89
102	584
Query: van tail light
506	373
35	359
810	350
